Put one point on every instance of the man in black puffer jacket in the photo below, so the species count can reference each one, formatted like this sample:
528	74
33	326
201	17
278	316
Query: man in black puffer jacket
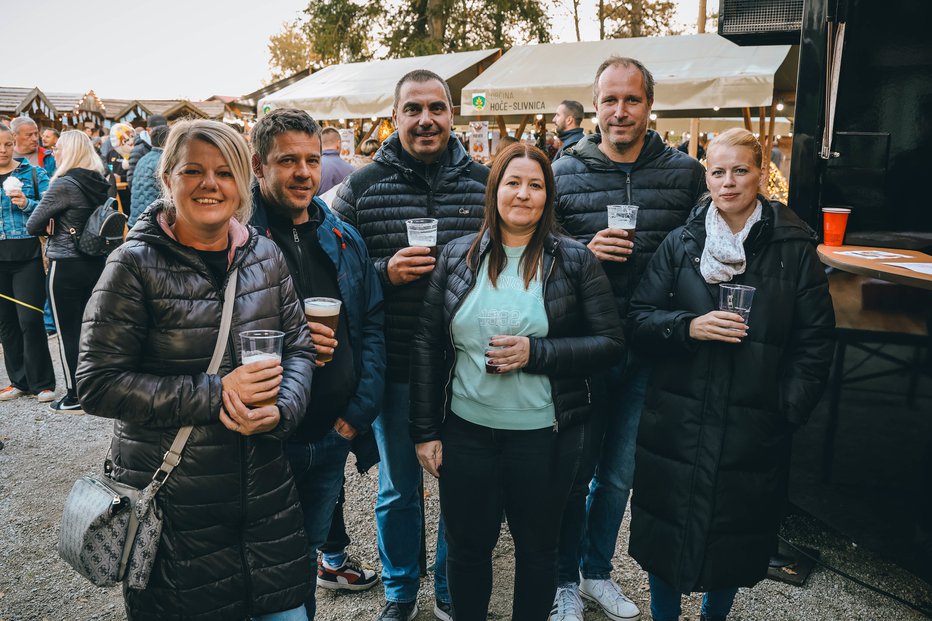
417	173
625	164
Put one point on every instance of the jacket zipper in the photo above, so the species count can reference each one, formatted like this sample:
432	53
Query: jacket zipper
543	293
628	187
297	245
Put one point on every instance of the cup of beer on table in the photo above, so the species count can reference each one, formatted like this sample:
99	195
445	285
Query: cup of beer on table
423	232
259	345
325	311
624	217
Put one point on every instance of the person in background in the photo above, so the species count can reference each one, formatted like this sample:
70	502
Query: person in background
232	543
333	168
623	163
366	151
5	120
50	138
22	333
568	121
727	391
146	187
538	310
143	145
326	258
26	134
419	172
77	188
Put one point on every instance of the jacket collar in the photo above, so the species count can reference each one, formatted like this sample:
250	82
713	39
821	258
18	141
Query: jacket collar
551	244
587	151
390	154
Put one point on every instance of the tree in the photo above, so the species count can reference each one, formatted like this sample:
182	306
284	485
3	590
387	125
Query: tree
340	30
422	27
290	51
637	18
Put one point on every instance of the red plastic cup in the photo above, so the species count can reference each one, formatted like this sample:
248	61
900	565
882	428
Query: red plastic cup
834	221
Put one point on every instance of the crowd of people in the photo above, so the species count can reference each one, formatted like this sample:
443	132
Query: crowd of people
538	362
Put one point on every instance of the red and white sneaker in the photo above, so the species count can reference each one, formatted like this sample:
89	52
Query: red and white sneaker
351	576
10	392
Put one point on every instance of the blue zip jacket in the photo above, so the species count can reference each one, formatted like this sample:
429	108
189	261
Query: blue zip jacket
12	218
362	299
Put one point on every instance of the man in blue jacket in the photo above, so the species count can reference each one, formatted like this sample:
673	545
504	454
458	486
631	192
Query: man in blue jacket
626	163
327	258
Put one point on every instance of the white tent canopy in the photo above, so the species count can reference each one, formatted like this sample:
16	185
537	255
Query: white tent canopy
691	72
362	90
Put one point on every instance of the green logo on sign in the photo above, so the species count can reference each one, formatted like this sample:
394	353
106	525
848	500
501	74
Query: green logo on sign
478	101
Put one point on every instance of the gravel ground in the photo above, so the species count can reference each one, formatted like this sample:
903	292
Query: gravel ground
45	452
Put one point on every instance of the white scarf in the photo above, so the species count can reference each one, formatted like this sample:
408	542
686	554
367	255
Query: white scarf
723	256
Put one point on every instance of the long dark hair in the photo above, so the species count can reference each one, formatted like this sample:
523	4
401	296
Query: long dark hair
531	257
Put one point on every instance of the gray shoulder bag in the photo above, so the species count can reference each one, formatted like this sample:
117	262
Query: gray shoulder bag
110	531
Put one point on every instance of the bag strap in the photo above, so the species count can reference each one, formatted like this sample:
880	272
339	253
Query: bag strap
35	182
173	456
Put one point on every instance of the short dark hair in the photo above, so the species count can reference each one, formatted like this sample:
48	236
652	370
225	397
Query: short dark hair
421	75
575	109
158	136
624	61
156	120
53	130
331	132
278	122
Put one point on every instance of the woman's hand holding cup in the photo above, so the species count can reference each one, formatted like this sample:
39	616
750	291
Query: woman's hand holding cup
718	326
237	417
508	353
255	382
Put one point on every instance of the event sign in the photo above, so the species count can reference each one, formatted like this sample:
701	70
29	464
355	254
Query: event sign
479	139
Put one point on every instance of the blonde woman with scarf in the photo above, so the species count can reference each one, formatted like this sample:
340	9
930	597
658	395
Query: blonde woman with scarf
726	394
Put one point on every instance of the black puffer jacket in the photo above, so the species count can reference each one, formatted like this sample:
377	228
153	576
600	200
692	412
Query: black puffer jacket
585	335
379	198
233	542
70	200
664	183
714	440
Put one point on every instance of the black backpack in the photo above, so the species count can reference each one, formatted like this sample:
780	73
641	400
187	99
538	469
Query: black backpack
103	231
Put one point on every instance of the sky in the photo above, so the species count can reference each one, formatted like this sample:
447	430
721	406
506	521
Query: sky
170	49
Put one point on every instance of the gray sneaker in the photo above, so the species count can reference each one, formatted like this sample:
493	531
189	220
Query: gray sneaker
567	605
398	611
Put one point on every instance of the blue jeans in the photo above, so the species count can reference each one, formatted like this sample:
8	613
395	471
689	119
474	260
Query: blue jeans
588	535
398	515
295	614
318	475
665	601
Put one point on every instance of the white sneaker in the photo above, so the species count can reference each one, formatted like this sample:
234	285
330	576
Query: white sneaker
10	392
567	606
610	599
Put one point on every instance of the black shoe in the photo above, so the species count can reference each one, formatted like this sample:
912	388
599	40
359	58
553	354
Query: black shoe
398	611
66	404
443	610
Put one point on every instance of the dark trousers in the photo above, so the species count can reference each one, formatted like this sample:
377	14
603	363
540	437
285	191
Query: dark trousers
528	475
70	284
22	330
337	539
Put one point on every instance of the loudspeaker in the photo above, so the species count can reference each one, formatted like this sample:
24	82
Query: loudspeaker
760	22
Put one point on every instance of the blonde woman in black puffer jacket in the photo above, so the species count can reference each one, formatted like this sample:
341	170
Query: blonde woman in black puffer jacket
233	544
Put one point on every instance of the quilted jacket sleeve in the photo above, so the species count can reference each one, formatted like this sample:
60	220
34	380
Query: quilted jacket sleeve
109	379
652	325
603	345
344	204
61	195
808	355
428	358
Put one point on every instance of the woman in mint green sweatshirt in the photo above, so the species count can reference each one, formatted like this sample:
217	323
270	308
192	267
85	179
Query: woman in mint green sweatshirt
516	320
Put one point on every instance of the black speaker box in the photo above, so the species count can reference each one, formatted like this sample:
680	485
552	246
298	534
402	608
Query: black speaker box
760	22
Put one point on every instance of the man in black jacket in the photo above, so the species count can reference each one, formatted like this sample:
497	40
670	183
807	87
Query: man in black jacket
568	120
326	258
417	173
625	164
143	145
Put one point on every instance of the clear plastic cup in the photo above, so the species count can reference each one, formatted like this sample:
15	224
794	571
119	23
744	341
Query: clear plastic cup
736	299
258	345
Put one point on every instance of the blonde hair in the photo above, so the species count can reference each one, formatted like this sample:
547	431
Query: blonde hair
739	137
76	151
232	147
